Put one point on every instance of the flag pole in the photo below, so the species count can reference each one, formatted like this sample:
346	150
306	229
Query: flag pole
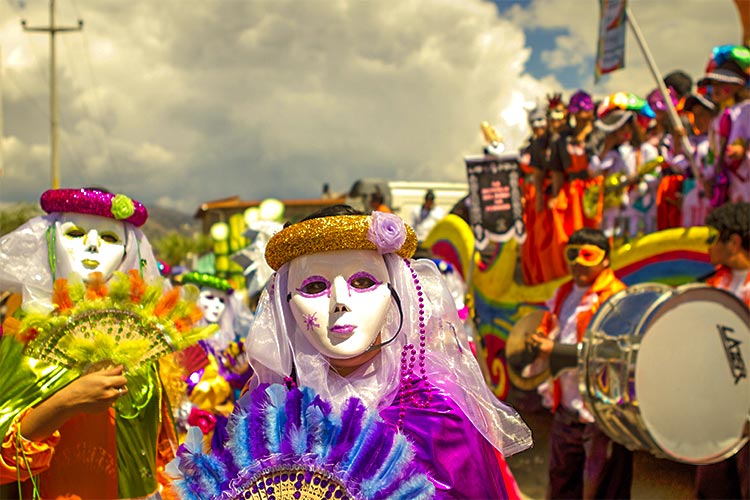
687	148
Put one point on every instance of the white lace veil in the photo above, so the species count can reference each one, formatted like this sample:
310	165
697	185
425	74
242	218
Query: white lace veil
276	348
26	266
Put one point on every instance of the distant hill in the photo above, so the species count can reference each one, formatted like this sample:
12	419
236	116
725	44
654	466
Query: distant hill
163	220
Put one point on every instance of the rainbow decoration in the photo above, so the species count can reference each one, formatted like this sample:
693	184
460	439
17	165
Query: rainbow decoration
673	257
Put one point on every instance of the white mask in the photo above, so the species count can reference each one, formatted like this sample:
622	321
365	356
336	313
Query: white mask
340	300
86	244
213	303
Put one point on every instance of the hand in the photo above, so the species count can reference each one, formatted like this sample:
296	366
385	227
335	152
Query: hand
91	393
735	151
543	344
96	391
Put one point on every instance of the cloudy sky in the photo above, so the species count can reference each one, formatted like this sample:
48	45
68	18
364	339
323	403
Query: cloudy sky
176	102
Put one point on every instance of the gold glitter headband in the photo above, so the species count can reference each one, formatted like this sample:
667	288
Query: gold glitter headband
341	232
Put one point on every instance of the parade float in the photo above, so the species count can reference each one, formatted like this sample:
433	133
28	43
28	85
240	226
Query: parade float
498	300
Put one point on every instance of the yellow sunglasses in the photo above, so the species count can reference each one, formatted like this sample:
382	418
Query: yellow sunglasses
585	255
713	236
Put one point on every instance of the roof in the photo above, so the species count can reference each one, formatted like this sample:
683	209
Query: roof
234	202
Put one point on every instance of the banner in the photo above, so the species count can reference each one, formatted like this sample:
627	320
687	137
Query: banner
743	8
610	49
495	200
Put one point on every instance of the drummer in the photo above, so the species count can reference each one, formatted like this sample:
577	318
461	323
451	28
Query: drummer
584	462
729	251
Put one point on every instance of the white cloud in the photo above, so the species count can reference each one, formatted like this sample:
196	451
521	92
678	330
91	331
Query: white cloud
569	51
193	101
679	33
182	102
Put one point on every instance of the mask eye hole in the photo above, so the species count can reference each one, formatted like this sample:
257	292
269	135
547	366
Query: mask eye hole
713	237
75	232
585	255
571	254
363	281
109	237
314	286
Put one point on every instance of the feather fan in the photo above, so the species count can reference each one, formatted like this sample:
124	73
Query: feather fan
309	452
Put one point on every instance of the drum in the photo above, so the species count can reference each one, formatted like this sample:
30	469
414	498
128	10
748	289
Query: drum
666	370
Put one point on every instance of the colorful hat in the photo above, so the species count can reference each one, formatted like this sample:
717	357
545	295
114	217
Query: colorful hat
555	107
656	100
616	109
613	120
207	280
728	64
695	99
580	101
382	232
537	118
94	202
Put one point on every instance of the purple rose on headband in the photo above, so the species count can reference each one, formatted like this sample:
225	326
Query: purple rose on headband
387	232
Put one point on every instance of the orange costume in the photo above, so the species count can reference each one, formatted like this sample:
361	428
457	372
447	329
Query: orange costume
92	455
605	285
723	278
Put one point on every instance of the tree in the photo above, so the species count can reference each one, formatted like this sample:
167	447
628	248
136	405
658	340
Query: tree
174	247
16	215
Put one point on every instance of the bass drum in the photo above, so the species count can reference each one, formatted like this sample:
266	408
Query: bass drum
666	370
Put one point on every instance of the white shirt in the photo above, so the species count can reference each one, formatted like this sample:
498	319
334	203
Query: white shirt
423	221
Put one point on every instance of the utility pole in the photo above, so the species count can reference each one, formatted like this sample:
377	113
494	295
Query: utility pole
52	30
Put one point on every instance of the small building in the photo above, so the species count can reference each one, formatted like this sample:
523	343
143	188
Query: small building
211	212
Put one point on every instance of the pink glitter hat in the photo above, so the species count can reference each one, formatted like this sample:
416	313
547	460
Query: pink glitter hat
94	202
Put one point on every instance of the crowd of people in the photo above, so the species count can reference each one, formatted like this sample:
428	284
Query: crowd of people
622	165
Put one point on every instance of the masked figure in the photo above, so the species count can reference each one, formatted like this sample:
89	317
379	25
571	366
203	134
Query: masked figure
61	433
348	314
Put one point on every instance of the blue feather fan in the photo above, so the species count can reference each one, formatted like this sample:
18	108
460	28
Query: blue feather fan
289	444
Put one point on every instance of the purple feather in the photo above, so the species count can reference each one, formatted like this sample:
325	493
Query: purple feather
351	426
370	452
293	421
324	428
254	422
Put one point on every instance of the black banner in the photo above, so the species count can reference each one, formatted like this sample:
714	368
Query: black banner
495	201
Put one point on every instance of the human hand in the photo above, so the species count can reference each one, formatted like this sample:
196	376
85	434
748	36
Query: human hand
96	391
735	151
541	343
93	392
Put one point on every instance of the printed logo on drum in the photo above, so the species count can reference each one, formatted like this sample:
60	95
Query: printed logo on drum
734	355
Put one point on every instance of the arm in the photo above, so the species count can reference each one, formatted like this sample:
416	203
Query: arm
28	445
91	393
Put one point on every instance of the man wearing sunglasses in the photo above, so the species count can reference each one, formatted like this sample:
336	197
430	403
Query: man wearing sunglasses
584	462
729	250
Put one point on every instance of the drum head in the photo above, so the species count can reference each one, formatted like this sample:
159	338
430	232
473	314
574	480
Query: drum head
691	377
515	353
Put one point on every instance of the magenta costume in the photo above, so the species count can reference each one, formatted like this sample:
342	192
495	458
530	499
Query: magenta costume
456	457
424	380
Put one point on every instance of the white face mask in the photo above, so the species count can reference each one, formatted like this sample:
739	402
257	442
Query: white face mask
86	244
213	303
340	300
